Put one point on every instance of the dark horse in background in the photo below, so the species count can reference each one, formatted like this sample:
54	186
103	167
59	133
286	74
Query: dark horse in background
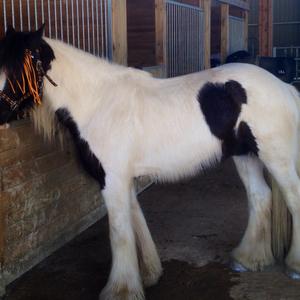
282	67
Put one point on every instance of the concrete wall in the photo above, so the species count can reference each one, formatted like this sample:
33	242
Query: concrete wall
45	199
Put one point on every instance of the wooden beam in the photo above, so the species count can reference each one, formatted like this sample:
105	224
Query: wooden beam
265	28
3	218
160	19
246	33
206	6
119	32
224	31
238	3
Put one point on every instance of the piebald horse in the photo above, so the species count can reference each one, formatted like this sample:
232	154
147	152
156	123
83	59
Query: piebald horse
126	124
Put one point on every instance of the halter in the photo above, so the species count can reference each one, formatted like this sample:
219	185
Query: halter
14	103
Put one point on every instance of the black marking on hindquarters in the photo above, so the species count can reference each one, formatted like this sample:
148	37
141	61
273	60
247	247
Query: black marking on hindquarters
242	142
221	107
90	162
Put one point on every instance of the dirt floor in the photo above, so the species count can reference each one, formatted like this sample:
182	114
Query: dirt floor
195	225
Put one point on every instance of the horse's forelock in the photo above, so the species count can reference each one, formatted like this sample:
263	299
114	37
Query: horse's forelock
12	52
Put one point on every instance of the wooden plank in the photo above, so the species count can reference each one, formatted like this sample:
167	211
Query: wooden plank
224	31
141	33
119	32
160	17
265	28
246	34
3	213
206	5
238	3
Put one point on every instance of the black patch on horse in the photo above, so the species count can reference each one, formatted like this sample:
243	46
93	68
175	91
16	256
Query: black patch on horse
242	142
90	162
221	106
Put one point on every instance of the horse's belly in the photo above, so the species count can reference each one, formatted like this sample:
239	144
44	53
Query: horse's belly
179	156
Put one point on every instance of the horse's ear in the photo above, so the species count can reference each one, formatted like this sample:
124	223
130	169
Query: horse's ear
35	37
10	30
40	31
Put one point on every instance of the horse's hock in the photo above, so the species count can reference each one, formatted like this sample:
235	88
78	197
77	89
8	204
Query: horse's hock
46	199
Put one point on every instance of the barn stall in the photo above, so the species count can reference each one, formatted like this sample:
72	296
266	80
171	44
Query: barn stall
36	182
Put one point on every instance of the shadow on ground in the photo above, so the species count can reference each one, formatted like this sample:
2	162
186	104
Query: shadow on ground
80	270
195	225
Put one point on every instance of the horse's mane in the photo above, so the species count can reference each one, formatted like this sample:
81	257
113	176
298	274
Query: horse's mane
46	123
43	116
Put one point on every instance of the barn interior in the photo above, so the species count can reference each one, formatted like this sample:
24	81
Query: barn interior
54	239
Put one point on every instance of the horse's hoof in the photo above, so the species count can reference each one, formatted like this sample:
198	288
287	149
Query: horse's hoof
238	267
292	274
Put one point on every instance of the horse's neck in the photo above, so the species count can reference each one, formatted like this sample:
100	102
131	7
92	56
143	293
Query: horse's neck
80	78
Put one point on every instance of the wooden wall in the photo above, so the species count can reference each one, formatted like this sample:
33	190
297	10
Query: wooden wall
216	25
46	198
141	31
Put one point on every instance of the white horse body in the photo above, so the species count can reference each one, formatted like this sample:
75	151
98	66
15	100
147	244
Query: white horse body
138	125
145	119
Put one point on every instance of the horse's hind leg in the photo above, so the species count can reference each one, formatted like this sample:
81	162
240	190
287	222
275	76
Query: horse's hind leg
150	265
254	251
124	280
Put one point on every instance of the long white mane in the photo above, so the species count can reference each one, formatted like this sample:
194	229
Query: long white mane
43	116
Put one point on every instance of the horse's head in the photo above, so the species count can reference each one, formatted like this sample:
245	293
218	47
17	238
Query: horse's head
25	59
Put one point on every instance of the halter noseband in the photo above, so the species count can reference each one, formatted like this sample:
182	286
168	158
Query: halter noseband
15	103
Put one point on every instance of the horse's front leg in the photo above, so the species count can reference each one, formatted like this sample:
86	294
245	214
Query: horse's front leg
150	264
124	280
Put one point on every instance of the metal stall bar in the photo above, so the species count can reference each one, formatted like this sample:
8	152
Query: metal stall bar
93	28
184	38
67	16
21	14
43	11
97	29
28	15
13	13
73	22
35	15
84	23
49	19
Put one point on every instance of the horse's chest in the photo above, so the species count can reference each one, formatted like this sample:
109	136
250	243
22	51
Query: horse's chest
88	159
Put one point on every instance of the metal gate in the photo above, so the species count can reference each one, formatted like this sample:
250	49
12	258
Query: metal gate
184	39
85	24
236	34
293	52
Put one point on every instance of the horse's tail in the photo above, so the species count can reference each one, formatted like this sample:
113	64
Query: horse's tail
281	218
296	96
